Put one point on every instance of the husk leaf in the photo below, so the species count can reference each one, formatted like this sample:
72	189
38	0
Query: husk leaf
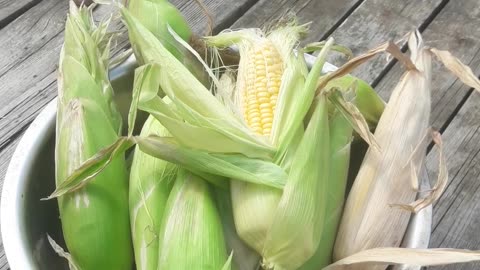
191	235
368	259
340	146
368	220
302	204
200	110
151	180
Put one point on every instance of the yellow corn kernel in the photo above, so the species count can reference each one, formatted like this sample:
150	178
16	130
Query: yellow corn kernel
263	78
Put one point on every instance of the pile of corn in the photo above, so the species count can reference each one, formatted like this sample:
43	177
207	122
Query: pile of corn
241	167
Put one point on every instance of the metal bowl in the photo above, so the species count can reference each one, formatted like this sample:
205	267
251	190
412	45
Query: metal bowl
26	221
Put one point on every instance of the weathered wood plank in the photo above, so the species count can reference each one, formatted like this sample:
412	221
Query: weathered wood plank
9	10
454	29
376	21
30	32
223	13
456	215
3	259
325	15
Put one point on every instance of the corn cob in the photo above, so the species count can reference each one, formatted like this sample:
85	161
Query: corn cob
87	121
267	69
191	235
258	85
151	180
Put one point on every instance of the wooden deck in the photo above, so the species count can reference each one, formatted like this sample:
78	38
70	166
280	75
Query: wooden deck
31	34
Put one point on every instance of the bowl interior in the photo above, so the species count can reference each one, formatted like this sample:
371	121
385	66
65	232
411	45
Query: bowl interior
42	217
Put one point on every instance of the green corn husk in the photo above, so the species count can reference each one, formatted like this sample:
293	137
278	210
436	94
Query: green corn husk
244	258
302	204
265	217
151	180
191	235
87	121
155	15
340	142
368	102
295	120
195	114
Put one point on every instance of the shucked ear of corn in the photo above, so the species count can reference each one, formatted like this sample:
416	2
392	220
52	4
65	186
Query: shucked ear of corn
87	121
273	94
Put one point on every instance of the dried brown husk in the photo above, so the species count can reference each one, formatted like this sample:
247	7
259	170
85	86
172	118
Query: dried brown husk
419	257
371	228
368	220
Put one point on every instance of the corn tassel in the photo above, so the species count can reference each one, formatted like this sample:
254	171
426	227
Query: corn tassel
87	121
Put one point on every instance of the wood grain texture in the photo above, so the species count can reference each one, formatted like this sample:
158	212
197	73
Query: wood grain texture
375	22
324	15
9	10
456	215
454	29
